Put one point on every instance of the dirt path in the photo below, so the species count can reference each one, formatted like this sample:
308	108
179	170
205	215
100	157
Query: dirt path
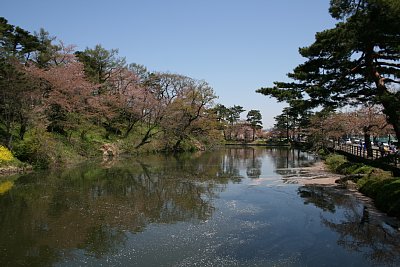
316	174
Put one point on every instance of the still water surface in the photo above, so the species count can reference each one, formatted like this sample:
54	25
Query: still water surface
229	207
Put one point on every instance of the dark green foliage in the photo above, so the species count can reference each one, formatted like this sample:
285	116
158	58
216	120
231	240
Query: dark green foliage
354	63
388	197
385	192
16	88
335	161
254	118
323	152
99	62
339	164
372	186
16	42
362	169
57	117
375	183
32	151
228	116
48	52
353	168
233	113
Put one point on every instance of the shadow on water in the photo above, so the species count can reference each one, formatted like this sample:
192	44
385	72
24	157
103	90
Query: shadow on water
361	228
91	208
232	205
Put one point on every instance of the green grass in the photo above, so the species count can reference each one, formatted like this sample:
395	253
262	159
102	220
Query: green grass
339	164
375	183
385	192
335	161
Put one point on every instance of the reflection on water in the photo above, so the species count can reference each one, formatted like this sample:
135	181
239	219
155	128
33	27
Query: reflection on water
361	229
228	207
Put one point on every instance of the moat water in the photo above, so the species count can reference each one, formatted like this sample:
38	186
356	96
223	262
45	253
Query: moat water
229	207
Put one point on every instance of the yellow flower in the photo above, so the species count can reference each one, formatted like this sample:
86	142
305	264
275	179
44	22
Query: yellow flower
5	154
5	186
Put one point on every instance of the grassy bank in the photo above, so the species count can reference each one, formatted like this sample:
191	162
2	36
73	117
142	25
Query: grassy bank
375	183
43	149
9	164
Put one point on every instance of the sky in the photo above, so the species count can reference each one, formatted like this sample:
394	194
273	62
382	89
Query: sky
237	46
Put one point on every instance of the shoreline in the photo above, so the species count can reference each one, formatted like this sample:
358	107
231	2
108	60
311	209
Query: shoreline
317	174
6	171
325	178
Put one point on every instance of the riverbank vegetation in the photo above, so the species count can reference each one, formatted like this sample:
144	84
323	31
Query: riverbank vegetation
7	160
375	183
60	106
347	92
351	66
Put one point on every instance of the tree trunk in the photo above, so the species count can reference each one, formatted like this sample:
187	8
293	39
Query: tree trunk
146	137
22	131
391	110
367	139
389	101
9	143
177	144
129	129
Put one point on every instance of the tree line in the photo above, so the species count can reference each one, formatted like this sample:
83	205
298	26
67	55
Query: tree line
95	96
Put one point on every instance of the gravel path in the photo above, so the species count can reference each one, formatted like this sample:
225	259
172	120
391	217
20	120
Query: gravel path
317	174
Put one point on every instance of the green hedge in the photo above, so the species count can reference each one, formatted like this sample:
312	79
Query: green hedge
375	183
384	191
339	164
334	162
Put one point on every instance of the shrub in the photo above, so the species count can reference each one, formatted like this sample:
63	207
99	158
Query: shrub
388	197
374	181
347	167
35	149
7	159
5	154
364	169
370	187
384	190
379	174
323	152
334	161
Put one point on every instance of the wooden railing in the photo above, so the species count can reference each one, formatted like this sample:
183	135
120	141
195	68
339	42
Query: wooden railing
357	150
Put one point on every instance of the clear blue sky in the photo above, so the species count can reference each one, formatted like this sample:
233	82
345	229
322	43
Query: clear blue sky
237	46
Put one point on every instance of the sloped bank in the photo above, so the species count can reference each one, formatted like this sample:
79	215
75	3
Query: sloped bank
373	182
9	164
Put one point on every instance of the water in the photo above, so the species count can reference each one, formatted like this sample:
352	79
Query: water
223	208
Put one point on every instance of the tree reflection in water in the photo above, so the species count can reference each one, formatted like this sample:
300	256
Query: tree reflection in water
142	206
361	228
92	208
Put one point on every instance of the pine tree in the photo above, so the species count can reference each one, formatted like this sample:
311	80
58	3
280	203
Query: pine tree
355	63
